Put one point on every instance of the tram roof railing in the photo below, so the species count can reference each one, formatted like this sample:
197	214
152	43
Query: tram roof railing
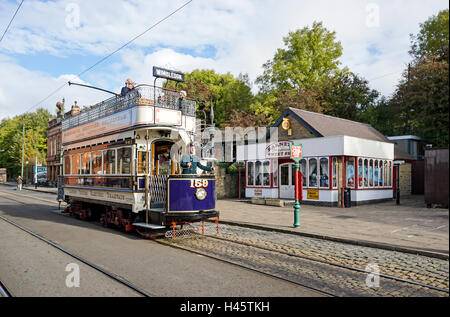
146	95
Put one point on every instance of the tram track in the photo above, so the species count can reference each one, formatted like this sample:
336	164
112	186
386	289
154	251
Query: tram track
329	278
112	276
322	291
346	267
4	292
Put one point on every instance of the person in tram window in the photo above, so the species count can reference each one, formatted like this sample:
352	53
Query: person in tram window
190	162
129	86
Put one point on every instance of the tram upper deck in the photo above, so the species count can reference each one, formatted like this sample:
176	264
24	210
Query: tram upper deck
144	106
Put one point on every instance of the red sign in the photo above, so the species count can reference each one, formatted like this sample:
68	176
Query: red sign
296	151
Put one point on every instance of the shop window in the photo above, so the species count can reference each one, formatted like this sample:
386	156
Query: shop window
350	163
67	161
324	179
385	169
109	162
250	173
258	173
76	161
266	173
366	173
335	172
390	174
376	170
124	161
86	163
312	172
371	173
303	171
380	174
97	162
275	173
360	173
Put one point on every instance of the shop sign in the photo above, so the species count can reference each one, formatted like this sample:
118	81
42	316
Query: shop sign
278	149
312	194
296	152
258	192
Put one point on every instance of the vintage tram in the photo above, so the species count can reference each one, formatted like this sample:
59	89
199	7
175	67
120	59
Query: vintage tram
121	163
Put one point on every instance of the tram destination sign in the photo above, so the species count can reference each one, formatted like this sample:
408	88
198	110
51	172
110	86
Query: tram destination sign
168	74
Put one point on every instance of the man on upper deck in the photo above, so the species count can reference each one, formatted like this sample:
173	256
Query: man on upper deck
129	86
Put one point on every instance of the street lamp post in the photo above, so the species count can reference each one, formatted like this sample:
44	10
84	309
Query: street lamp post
296	155
23	147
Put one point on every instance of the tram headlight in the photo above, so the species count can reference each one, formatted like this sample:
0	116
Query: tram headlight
200	193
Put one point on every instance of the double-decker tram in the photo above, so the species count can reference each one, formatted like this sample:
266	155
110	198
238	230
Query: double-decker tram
122	163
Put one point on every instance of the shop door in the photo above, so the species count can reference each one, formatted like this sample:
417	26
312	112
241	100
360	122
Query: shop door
287	181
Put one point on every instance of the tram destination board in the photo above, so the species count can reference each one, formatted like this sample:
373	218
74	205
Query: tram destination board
168	74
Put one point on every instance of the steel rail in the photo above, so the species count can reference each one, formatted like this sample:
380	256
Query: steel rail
111	275
4	292
248	268
334	264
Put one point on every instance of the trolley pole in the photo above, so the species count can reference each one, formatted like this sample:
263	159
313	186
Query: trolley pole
296	155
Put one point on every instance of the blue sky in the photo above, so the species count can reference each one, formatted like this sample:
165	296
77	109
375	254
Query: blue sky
50	42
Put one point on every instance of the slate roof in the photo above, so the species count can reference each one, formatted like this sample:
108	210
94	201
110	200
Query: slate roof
324	125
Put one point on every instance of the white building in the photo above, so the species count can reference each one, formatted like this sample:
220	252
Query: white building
337	154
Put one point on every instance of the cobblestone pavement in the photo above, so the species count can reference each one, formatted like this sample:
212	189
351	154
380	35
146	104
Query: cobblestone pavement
331	279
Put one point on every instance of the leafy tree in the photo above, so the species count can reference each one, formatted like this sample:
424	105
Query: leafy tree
35	140
310	55
433	37
224	92
346	95
421	101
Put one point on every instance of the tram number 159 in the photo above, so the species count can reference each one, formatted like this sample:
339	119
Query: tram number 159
199	183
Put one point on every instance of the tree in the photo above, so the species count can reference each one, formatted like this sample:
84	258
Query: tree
35	140
346	95
421	101
432	38
311	54
224	92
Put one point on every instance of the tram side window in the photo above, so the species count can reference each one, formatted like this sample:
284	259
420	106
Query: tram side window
96	162
109	162
76	161
124	160
86	163
67	164
142	162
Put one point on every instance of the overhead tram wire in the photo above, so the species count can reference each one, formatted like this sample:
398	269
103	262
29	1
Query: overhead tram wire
109	55
6	30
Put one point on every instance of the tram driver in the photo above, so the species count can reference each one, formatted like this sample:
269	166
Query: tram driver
190	162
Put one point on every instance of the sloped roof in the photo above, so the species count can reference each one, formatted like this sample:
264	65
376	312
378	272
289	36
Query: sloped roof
322	125
330	126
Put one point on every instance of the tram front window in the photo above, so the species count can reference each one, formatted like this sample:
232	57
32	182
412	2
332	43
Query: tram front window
162	162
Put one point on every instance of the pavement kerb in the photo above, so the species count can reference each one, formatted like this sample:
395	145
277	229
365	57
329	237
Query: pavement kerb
370	244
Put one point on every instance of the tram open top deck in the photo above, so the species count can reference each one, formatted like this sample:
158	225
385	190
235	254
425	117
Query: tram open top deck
145	106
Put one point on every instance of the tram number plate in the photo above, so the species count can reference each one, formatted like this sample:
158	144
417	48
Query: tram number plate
199	183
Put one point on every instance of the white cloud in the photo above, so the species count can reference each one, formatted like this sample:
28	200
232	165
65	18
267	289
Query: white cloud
244	33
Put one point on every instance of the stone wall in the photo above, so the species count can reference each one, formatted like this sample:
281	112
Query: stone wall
405	179
227	185
298	131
